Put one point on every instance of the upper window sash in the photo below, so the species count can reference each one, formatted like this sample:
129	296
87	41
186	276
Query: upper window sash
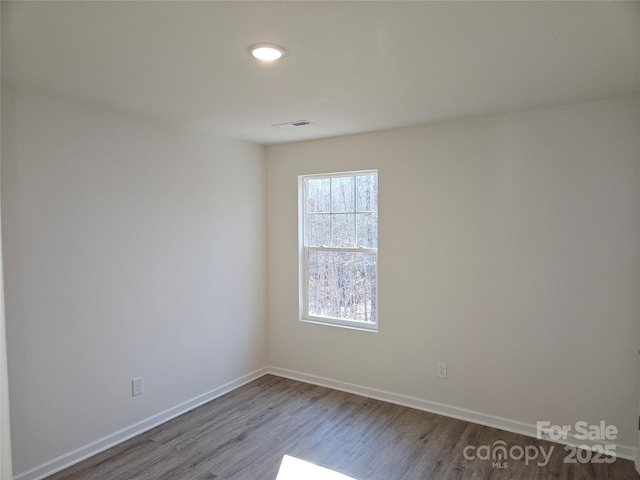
342	215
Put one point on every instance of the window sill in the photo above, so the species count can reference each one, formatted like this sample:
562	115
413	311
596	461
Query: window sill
372	329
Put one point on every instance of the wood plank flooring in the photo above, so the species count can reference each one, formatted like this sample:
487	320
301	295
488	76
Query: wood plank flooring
243	436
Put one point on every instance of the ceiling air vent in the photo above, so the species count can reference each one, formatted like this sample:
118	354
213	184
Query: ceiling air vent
297	123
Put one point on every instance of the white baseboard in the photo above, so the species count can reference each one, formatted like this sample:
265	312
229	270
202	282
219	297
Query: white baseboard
621	451
93	448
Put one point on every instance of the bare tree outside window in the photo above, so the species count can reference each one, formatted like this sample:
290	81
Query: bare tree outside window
340	251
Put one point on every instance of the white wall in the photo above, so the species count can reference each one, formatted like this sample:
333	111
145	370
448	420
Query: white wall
131	249
6	472
508	249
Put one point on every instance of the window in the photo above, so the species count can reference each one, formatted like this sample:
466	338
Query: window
339	249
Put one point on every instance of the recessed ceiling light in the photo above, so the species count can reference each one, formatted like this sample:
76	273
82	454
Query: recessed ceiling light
266	52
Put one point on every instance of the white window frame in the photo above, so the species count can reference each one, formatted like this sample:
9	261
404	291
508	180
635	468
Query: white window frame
304	253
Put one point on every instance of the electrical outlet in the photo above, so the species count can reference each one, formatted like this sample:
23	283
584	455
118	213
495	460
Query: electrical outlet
441	371
136	386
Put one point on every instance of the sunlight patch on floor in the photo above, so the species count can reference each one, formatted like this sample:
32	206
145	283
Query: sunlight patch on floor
293	468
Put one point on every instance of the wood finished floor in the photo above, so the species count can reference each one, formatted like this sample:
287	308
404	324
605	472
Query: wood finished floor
244	434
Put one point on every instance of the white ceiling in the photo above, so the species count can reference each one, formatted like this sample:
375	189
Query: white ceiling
350	67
